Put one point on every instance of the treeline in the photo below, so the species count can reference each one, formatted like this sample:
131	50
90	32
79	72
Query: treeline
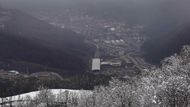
15	86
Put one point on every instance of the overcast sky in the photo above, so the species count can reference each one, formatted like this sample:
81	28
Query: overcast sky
179	7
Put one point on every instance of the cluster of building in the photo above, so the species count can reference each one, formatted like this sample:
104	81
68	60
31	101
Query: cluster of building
95	28
98	64
9	74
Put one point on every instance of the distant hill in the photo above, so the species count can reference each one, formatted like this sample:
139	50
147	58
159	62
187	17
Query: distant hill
27	39
161	46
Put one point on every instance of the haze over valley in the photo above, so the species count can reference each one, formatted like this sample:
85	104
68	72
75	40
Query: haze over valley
94	45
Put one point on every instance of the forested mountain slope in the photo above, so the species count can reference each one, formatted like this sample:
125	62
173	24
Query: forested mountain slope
25	38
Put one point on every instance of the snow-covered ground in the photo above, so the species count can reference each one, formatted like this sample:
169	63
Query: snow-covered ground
32	95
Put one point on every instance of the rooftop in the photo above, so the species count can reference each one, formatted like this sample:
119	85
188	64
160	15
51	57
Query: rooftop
96	64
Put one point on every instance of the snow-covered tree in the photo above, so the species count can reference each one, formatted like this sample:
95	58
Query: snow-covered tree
168	85
68	99
45	98
117	94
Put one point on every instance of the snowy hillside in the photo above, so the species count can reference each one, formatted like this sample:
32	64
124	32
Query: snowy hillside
57	94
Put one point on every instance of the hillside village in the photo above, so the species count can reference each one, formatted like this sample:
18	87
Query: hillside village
117	43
